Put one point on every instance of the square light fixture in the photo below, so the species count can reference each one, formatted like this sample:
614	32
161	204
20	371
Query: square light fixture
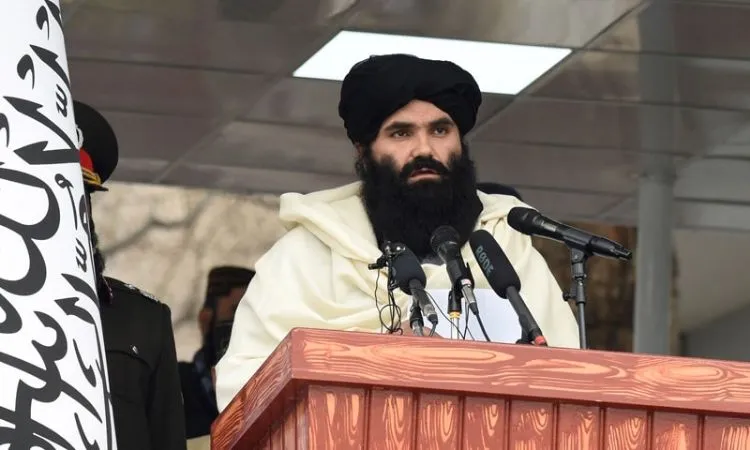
498	68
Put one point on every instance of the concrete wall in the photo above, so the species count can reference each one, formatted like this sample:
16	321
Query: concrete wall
727	337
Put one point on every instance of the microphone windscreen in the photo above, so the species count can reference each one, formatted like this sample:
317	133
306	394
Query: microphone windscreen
495	265
522	219
405	268
442	235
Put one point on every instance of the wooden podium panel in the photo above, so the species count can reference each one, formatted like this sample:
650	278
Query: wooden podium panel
344	390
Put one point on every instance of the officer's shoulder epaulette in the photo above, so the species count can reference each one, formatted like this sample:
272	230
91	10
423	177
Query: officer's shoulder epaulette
115	284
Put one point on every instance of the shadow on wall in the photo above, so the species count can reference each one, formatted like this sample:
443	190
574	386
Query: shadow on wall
164	240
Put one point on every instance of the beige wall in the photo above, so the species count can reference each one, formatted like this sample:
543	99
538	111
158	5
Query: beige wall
165	239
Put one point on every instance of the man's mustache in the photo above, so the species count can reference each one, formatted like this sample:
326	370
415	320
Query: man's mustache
423	163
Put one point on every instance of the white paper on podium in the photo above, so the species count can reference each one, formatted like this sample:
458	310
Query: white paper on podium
499	319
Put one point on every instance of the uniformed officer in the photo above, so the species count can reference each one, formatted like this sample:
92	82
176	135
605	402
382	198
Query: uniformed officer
226	286
137	328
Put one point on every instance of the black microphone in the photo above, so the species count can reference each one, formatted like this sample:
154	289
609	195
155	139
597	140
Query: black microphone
444	242
410	278
504	281
531	222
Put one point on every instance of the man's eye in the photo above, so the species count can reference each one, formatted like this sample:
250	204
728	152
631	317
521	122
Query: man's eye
441	130
400	133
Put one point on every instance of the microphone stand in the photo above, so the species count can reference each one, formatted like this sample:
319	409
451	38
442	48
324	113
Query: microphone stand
578	260
416	321
454	312
525	338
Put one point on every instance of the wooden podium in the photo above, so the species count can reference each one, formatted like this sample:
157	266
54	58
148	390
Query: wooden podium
344	390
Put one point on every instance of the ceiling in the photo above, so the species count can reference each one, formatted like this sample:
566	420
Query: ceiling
200	93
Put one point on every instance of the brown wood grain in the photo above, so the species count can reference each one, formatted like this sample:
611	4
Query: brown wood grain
392	420
544	373
531	425
485	420
351	390
674	431
277	438
579	427
724	433
438	421
301	422
289	427
256	403
626	429
336	417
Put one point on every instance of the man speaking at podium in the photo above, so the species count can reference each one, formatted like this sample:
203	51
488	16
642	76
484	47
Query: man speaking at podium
407	118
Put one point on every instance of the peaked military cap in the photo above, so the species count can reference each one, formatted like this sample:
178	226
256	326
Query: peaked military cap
99	152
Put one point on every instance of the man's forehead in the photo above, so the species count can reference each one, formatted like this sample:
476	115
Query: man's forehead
418	112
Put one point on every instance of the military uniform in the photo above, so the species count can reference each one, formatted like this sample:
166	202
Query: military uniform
137	329
142	367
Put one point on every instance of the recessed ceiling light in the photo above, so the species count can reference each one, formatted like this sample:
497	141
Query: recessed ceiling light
498	68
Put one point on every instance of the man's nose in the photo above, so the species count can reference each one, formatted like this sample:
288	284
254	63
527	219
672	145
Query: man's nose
422	145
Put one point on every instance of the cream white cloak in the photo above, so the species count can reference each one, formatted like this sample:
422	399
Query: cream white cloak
316	276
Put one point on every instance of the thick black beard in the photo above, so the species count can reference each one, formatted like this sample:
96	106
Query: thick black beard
102	288
409	213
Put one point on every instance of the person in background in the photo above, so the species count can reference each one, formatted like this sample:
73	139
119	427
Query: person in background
497	188
407	118
226	286
137	328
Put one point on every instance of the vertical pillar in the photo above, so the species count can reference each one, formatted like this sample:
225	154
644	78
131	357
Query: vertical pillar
652	315
653	290
54	391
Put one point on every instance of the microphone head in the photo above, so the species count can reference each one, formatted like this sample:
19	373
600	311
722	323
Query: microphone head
405	267
444	234
495	265
522	219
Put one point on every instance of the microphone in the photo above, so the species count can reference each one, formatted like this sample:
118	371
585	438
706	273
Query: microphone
504	281
410	278
531	222
444	242
390	250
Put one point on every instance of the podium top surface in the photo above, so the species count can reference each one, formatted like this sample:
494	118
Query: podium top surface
489	369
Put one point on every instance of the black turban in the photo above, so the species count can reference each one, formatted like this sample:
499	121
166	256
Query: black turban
381	85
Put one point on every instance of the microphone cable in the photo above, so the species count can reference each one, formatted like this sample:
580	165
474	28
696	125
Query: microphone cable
481	327
394	310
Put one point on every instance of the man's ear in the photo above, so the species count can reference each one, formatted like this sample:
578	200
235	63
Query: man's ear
360	150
